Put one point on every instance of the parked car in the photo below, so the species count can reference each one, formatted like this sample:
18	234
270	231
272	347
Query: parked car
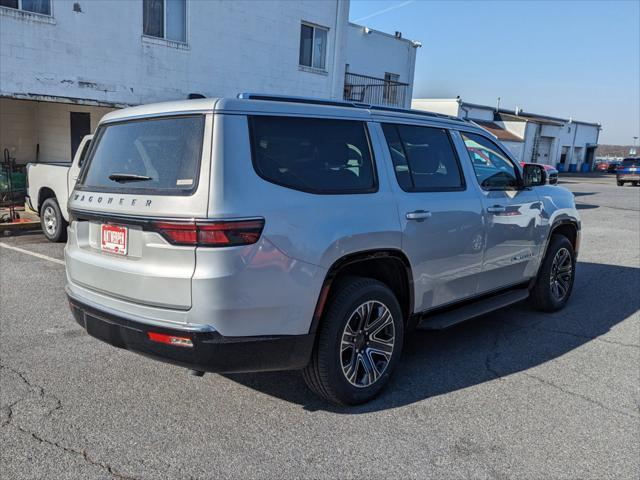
48	188
613	166
552	172
602	167
628	171
272	233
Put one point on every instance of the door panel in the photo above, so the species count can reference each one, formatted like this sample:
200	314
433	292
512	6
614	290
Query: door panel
440	218
512	216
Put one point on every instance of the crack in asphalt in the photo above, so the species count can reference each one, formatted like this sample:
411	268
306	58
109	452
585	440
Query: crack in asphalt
586	337
493	355
58	406
579	395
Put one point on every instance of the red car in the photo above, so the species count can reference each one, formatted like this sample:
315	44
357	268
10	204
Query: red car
602	167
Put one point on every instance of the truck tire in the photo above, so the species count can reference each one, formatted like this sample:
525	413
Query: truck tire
54	226
555	278
359	343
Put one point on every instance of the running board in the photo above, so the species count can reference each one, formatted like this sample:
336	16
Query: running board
448	318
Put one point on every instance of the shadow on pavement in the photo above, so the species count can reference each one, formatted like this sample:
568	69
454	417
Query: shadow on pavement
496	345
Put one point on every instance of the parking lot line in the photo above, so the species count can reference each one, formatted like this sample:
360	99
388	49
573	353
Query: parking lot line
33	254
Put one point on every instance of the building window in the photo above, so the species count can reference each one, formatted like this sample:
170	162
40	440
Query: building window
165	19
35	6
313	46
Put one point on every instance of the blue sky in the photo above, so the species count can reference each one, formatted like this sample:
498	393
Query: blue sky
577	59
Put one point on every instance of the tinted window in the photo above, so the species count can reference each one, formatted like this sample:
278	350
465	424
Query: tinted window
314	155
493	168
83	154
423	158
161	155
631	162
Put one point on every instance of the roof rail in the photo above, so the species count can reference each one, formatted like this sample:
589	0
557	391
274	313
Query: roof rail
307	100
340	103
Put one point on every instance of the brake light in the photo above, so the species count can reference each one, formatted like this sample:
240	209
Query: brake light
170	339
226	233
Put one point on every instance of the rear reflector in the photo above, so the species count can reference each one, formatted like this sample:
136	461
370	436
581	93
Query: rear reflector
226	233
170	339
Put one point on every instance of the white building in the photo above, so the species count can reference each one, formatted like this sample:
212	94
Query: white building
566	143
380	67
65	63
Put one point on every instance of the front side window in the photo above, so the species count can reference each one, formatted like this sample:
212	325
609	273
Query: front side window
313	155
165	19
155	155
313	46
36	6
423	158
494	170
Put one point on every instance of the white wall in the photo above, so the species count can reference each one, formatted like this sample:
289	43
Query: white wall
377	53
516	148
446	106
100	53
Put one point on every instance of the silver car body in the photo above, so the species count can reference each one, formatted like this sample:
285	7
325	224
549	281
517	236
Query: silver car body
463	249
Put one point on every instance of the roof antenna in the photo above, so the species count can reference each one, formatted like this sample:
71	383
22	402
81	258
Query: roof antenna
498	105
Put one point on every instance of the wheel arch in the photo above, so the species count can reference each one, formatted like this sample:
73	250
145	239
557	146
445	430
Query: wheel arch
569	228
389	266
44	194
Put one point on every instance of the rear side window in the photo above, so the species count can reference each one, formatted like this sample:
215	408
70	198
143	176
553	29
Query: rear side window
423	158
155	156
313	155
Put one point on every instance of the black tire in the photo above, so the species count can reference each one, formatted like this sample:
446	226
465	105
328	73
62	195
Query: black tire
325	374
544	294
54	226
635	184
620	184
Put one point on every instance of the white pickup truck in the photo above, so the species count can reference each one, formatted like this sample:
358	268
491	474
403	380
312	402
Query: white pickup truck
48	188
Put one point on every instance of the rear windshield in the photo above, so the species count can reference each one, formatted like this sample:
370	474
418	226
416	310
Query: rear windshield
155	155
629	162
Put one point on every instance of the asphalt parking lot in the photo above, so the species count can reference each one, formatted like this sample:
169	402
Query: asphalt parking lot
515	394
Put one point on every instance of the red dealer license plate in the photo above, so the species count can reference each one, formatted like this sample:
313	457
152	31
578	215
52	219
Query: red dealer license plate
114	239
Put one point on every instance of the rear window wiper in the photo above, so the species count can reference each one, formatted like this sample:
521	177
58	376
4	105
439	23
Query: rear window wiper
128	177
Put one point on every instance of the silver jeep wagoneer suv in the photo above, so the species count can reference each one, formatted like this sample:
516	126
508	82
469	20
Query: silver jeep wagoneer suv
270	233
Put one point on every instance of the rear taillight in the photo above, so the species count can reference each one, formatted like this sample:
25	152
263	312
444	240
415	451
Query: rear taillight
170	339
226	233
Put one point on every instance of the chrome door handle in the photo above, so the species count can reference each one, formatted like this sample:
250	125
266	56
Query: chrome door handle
496	209
418	215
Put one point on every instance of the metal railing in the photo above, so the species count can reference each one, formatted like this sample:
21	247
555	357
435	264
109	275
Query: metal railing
374	91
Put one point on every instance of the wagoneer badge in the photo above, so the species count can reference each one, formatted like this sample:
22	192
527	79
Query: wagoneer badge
101	200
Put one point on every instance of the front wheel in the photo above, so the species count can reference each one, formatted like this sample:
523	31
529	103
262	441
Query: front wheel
54	226
620	184
555	279
359	343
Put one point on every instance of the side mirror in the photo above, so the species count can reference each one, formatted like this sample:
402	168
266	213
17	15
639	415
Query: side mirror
534	175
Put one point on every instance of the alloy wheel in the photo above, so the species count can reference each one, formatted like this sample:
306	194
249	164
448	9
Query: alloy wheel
50	220
367	344
561	274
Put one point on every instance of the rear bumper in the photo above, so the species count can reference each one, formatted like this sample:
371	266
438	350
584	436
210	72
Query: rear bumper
625	177
211	352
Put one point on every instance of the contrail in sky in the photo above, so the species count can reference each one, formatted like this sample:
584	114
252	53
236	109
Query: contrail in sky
384	10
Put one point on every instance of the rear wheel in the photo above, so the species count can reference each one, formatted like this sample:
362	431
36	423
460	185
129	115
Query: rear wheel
359	343
620	184
555	280
53	223
635	184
